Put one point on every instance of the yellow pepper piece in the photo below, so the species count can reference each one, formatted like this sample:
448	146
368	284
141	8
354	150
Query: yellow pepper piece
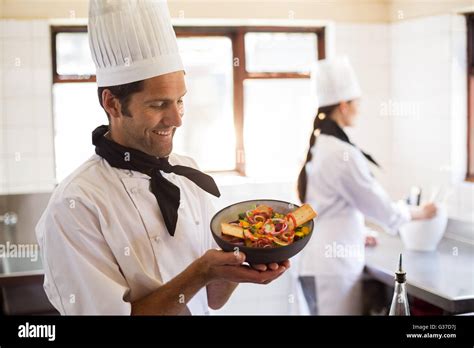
300	234
305	230
244	223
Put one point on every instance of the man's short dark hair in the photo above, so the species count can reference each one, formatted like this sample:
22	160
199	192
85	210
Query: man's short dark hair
123	93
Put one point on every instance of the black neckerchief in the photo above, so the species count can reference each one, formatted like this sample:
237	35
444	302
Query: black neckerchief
330	127
167	194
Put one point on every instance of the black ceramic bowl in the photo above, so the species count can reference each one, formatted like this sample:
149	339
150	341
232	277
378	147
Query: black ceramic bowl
258	255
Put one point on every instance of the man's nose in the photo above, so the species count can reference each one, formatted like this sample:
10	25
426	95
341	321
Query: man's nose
174	115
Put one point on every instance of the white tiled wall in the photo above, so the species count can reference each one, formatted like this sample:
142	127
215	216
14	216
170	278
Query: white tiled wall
428	69
368	48
26	123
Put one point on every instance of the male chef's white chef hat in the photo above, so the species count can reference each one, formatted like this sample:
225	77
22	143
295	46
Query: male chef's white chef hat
334	81
131	40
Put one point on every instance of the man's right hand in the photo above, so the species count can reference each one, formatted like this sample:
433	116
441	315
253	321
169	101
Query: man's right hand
221	265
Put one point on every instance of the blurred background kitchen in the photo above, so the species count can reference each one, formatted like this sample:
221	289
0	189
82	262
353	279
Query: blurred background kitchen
247	70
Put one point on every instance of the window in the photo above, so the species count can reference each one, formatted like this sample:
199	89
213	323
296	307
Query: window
276	101
207	133
248	92
280	52
470	88
72	61
73	57
271	91
76	108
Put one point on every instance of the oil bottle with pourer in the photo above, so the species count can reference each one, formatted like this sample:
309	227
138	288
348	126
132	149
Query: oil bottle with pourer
400	300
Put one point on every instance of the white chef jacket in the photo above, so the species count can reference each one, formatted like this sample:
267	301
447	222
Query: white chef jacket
343	191
104	243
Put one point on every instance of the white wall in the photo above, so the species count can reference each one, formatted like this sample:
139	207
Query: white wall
428	74
26	124
368	48
413	115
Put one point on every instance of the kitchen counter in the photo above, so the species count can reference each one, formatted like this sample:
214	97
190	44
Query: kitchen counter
21	275
21	285
20	271
17	270
444	278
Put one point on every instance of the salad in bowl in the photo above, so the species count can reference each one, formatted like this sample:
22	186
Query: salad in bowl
265	230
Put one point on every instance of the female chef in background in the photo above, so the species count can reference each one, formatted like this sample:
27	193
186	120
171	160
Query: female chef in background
337	181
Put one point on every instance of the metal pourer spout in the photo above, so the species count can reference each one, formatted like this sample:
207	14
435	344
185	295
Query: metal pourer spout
400	275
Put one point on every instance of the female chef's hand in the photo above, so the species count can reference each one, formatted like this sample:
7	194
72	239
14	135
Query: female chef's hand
370	241
424	211
221	265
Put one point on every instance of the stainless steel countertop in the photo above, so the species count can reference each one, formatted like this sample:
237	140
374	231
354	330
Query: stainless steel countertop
444	277
18	271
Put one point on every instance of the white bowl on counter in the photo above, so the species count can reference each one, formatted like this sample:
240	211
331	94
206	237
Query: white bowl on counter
425	235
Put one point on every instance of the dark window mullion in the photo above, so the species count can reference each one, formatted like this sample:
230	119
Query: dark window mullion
470	98
238	52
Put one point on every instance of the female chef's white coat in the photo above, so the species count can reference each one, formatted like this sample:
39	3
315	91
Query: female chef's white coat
343	191
104	242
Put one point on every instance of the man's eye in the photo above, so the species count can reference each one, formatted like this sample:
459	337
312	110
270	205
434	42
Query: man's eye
158	105
180	101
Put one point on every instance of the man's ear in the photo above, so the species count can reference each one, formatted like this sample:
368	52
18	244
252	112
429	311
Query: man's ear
111	103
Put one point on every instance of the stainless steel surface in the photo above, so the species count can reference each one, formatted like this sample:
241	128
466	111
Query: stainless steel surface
444	277
12	266
17	271
460	230
9	218
21	275
21	267
29	208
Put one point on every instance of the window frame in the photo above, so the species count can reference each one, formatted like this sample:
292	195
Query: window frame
470	98
55	30
240	73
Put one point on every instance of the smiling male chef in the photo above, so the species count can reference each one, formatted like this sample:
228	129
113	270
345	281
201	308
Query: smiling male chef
128	231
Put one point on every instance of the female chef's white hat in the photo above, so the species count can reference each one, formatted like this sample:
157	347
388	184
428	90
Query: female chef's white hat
334	81
131	40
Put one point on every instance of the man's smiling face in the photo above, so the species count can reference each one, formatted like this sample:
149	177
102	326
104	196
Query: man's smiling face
153	115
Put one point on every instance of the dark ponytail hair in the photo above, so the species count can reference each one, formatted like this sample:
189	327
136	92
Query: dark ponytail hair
324	114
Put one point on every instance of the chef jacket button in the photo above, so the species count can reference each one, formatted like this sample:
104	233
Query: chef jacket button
134	190
197	222
156	239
